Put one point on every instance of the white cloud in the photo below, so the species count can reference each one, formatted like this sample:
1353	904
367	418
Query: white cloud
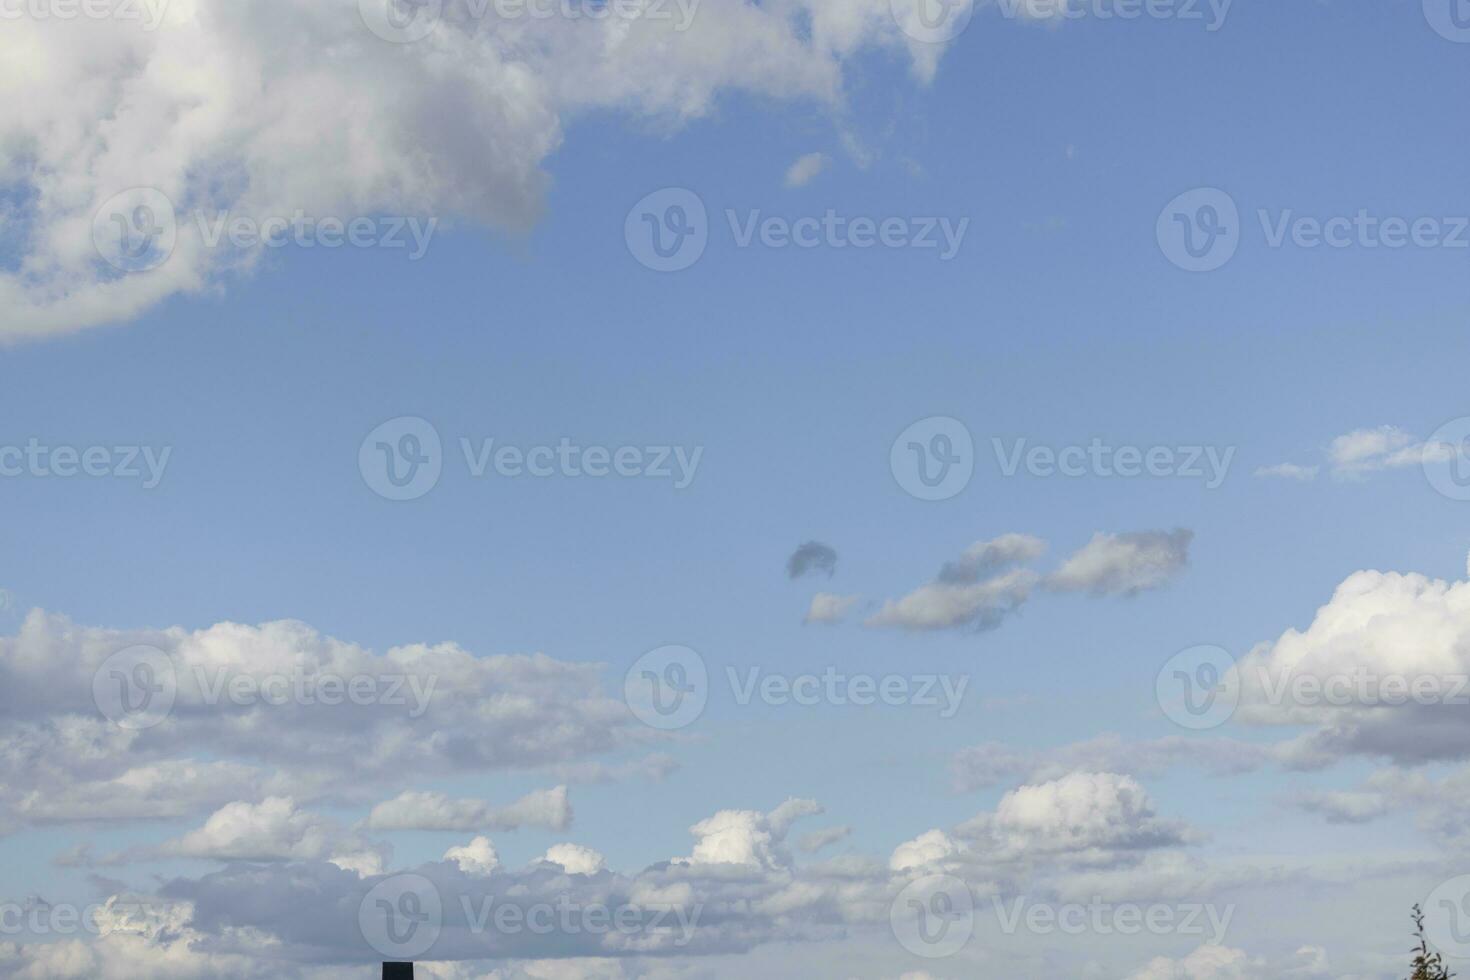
433	710
1383	669
548	809
827	608
275	830
806	169
220	107
478	857
1124	564
576	859
749	837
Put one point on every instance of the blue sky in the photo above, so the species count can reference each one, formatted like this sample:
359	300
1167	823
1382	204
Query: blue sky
1059	321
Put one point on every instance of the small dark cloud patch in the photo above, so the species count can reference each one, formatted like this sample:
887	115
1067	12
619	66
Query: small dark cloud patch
812	557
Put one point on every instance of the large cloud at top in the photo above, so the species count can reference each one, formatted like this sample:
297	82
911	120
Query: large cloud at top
274	106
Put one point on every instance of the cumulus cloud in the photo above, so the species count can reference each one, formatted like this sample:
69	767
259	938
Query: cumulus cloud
812	557
1091	818
276	710
749	837
1124	564
478	857
576	859
806	169
548	809
219	109
1382	670
274	829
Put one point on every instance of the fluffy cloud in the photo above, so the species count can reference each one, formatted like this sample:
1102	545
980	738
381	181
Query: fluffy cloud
1091	818
274	830
219	108
749	837
1362	451
276	710
549	809
827	608
1124	564
1382	670
576	859
988	582
478	857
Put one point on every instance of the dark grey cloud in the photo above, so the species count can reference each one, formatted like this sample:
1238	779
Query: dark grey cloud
814	556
